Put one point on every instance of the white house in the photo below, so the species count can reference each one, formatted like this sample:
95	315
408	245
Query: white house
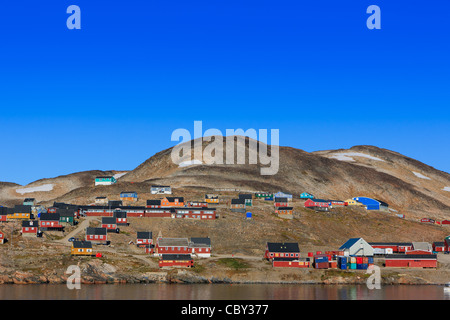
357	247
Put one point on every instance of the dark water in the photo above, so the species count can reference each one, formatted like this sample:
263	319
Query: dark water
222	292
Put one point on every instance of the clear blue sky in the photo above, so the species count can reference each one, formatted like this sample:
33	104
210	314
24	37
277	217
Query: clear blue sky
108	96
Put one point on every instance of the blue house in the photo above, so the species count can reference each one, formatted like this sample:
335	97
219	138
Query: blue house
372	204
306	195
283	195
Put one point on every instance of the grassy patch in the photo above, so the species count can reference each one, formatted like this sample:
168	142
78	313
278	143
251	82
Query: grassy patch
233	263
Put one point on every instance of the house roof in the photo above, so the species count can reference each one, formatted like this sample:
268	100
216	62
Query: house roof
237	201
283	247
245	196
82	244
200	242
349	243
173	242
22	209
176	257
156	186
30	223
95	231
66	212
119	214
104	177
320	200
29	200
153	202
49	216
281	199
172	199
109	220
144	235
285	208
421	246
411	256
390	243
100	198
125	192
439	244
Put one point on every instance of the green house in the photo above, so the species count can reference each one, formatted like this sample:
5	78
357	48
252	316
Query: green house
264	195
66	216
105	181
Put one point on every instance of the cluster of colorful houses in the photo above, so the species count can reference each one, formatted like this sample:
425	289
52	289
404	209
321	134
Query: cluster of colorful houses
356	253
172	252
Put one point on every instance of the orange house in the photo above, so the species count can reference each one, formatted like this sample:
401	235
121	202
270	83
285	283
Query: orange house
172	202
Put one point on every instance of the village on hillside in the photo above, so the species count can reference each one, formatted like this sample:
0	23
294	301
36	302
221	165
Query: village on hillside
183	252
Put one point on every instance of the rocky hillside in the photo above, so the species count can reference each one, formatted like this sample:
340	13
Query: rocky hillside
408	185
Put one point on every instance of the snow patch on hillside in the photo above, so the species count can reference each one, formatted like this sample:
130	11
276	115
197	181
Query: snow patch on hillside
421	176
347	156
43	188
446	189
189	163
118	175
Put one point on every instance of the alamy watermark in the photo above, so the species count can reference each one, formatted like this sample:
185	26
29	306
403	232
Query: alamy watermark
184	153
74	280
374	281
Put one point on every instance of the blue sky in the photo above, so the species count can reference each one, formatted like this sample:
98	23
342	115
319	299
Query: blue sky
108	96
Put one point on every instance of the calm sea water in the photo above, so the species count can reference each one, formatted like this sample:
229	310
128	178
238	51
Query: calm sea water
221	292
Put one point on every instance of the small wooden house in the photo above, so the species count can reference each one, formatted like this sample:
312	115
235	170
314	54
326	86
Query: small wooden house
20	212
317	203
153	203
3	214
285	212
144	238
96	235
30	228
211	198
172	246
439	246
306	195
176	260
81	248
129	196
201	247
29	202
50	221
280	202
281	250
105	181
263	195
160	190
67	216
121	217
237	205
109	223
172	202
248	199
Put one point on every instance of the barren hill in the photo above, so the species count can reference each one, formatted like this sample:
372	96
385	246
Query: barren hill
408	185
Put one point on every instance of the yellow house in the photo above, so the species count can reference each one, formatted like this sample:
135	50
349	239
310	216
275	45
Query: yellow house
352	202
81	248
211	198
20	212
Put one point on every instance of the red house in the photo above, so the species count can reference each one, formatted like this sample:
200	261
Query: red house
109	223
427	220
153	203
445	222
280	202
176	260
172	246
291	262
411	261
3	213
201	247
190	213
96	235
2	238
30	227
144	238
317	203
121	218
50	221
438	246
282	250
